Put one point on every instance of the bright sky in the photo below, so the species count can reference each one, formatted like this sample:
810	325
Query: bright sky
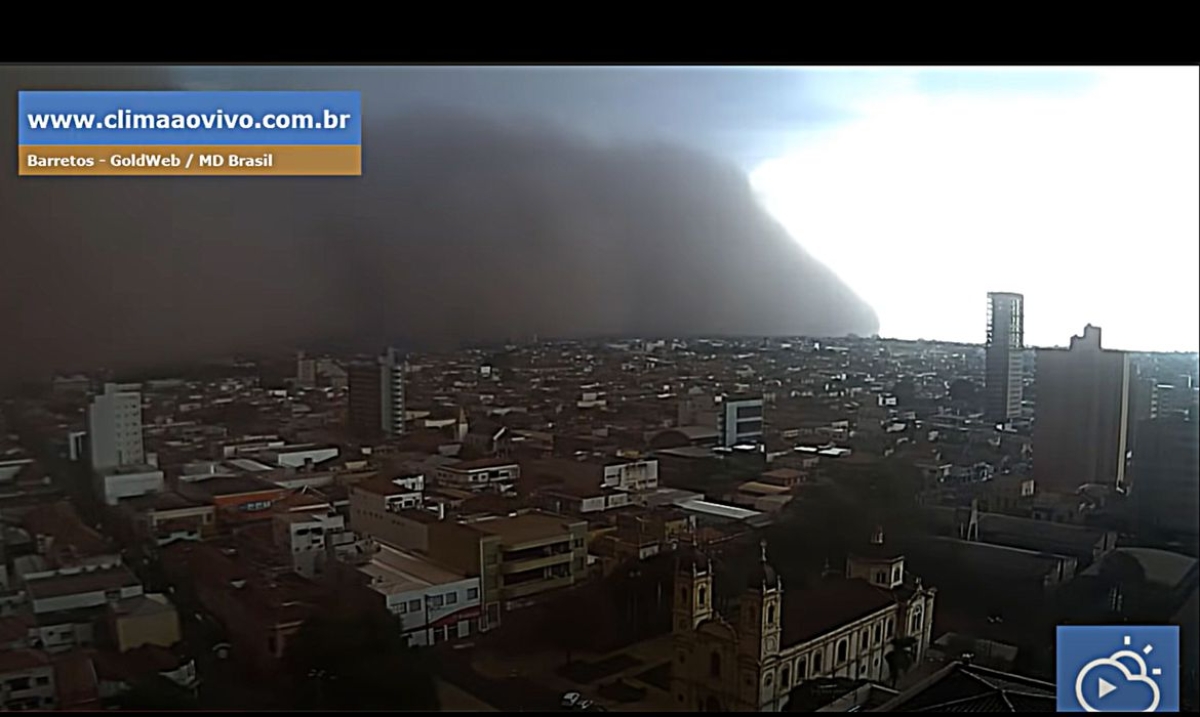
1084	199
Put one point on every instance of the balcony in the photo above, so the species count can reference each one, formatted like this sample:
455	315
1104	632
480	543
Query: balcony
514	592
535	563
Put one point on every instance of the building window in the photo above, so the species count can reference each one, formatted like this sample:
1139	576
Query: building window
784	674
843	647
816	668
19	683
881	577
414	605
714	664
801	669
42	680
875	634
916	621
866	640
402	609
703	594
451	598
891	628
472	593
771	614
767	680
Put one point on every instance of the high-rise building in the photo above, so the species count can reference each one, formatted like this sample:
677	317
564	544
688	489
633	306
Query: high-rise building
1166	478
1005	361
306	371
740	421
115	428
377	397
1081	419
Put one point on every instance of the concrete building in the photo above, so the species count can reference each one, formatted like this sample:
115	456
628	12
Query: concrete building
434	603
516	557
479	475
377	397
306	371
115	428
391	512
1081	420
740	421
81	588
1166	479
307	536
127	481
27	681
750	659
1004	363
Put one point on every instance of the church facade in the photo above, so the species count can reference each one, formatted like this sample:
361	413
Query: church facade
842	627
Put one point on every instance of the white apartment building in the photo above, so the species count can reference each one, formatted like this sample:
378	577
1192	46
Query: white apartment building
631	475
308	535
115	427
435	604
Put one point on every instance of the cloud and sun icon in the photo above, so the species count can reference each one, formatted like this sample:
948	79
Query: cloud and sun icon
1120	682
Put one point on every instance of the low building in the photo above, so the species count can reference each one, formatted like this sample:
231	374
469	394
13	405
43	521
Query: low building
434	603
81	588
143	620
307	537
235	499
27	681
478	475
113	484
568	498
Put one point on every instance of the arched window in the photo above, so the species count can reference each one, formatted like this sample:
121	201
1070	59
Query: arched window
703	593
784	674
714	664
843	647
891	628
866	640
771	614
916	620
801	669
816	670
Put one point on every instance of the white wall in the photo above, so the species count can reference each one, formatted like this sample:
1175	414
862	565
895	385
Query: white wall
415	616
115	428
129	485
75	601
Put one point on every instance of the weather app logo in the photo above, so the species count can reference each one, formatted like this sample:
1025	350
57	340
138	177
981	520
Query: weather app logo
1120	668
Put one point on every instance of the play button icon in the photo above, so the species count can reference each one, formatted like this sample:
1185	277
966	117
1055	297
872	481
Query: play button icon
1106	687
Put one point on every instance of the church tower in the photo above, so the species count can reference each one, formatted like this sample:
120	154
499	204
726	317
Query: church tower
759	612
692	602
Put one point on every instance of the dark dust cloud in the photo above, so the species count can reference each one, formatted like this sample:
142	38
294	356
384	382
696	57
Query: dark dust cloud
463	228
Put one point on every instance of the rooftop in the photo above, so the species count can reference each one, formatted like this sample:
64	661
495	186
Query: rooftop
522	528
828	605
481	464
230	485
395	571
962	687
85	581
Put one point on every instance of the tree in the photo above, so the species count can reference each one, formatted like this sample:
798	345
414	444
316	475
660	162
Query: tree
358	662
901	658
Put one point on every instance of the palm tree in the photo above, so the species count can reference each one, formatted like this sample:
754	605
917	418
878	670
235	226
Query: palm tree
901	658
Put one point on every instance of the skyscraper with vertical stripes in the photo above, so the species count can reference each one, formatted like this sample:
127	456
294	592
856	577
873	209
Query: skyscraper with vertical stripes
1005	348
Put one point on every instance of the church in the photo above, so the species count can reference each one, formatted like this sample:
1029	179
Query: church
749	660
